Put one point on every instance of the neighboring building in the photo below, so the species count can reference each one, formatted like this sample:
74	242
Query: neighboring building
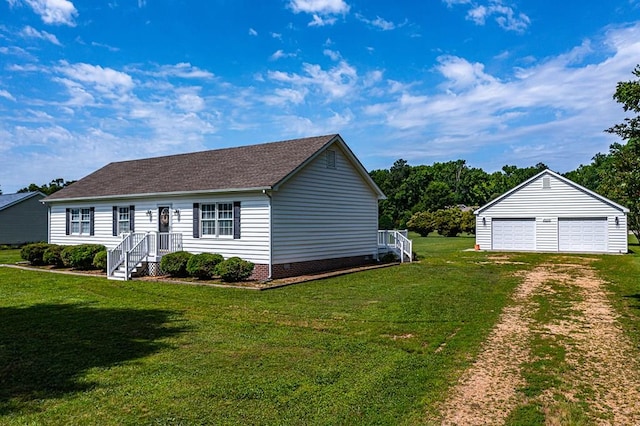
550	213
23	218
289	207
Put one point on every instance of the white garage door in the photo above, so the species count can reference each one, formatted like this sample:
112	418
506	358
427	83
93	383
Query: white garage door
514	234
582	235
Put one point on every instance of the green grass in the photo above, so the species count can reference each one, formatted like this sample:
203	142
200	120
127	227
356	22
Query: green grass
9	256
376	347
361	348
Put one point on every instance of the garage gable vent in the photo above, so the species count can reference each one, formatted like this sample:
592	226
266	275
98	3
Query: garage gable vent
546	182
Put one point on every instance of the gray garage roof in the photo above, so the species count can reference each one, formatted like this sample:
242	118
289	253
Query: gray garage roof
8	200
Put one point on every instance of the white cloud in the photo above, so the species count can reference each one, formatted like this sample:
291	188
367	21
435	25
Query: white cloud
564	100
106	46
506	17
336	83
323	12
461	74
31	32
378	22
279	54
252	32
55	12
335	56
5	94
276	35
318	21
105	80
182	70
322	7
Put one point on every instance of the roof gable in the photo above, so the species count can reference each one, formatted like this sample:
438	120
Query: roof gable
560	178
8	200
253	167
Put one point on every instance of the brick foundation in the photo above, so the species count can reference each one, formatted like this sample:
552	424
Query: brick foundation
285	270
312	266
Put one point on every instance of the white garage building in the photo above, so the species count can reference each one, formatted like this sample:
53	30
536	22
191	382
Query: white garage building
550	213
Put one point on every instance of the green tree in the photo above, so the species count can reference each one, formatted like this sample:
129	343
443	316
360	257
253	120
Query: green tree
47	188
422	223
622	179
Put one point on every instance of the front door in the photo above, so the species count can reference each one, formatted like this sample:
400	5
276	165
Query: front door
164	219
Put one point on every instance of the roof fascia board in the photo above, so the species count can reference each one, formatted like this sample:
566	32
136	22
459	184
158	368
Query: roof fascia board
158	194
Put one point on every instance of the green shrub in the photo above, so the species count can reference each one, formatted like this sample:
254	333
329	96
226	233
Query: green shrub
389	257
422	223
234	269
81	256
203	265
34	253
100	260
175	264
53	255
448	222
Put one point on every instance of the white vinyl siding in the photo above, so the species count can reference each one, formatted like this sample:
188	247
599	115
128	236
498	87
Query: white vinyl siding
253	245
550	200
324	213
514	234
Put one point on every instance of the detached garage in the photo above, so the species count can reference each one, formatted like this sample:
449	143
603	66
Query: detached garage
550	213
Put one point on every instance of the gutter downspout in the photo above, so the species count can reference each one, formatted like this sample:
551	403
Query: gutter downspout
269	278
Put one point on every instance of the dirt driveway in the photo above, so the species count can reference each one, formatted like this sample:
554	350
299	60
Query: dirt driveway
563	309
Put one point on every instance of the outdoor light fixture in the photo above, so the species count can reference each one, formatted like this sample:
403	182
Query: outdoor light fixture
617	221
484	220
176	212
149	213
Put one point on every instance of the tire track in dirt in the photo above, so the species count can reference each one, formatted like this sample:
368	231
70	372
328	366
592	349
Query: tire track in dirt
601	358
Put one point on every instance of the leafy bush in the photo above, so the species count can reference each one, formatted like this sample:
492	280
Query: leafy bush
175	264
389	257
422	223
100	260
447	222
468	222
81	256
53	255
34	253
234	269
203	265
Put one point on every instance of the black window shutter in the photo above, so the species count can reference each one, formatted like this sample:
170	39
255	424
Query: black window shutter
132	218
196	220
236	220
92	213
114	221
67	230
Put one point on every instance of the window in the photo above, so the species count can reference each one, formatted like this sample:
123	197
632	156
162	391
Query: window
123	220
80	220
217	219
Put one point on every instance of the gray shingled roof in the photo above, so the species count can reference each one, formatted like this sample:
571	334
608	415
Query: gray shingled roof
245	167
7	200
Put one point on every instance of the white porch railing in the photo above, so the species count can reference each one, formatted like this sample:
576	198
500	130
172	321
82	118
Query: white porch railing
396	241
135	247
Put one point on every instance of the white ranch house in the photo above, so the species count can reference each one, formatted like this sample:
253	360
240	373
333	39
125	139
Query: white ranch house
550	213
290	207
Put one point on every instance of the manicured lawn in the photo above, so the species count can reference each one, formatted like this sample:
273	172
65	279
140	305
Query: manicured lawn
376	347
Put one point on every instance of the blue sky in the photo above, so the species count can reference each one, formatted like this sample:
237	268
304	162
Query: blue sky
494	82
